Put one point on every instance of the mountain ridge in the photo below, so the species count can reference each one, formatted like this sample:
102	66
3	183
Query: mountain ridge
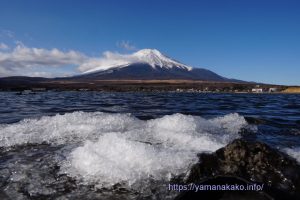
150	64
152	57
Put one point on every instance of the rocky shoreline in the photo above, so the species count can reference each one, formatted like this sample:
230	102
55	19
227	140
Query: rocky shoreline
240	162
243	162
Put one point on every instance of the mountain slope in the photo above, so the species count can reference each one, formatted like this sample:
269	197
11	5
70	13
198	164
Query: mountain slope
150	64
144	71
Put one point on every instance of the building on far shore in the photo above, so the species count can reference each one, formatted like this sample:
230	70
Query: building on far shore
273	89
257	90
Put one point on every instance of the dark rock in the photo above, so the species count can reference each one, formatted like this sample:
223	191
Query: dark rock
245	163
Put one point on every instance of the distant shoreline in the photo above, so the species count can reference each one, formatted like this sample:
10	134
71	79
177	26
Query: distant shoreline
193	86
145	91
292	90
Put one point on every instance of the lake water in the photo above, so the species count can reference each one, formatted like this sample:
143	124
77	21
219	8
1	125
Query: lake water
128	145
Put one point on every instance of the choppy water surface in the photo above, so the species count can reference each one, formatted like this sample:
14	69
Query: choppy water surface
72	145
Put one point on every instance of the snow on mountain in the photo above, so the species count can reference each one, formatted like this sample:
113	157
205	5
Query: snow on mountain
152	57
146	64
156	58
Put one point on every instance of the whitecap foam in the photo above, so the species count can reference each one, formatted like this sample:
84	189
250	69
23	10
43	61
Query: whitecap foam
119	148
293	152
115	159
60	129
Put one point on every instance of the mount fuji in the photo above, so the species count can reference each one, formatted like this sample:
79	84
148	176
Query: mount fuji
149	64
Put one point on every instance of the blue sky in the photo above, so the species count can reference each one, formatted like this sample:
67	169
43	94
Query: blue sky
248	40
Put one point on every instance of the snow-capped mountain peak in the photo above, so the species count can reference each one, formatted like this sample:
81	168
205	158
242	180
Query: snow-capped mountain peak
152	57
156	58
146	64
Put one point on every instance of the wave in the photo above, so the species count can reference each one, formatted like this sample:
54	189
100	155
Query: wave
293	152
107	149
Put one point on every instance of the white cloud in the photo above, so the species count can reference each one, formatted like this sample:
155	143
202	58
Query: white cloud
39	74
107	60
126	45
23	60
3	46
26	61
